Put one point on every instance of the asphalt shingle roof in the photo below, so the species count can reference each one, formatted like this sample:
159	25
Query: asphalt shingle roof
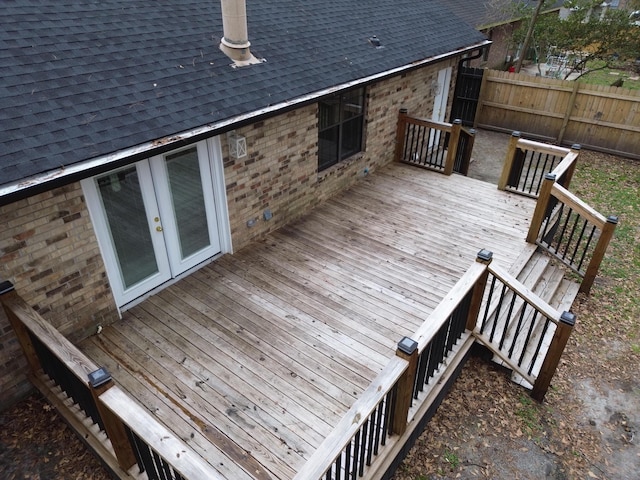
483	13
85	78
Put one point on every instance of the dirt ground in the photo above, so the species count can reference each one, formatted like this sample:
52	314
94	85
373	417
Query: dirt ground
486	428
587	427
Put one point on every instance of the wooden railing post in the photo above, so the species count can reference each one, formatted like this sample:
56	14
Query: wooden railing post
408	350
550	364
485	257
468	150
7	296
598	254
99	382
568	175
400	134
541	207
452	150
512	149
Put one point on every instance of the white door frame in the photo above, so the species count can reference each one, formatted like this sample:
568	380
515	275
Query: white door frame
211	148
441	98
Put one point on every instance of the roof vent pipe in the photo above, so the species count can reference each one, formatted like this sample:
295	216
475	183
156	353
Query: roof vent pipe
235	42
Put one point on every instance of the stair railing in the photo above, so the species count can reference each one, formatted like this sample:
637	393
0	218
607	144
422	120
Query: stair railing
524	331
117	428
571	230
439	146
527	162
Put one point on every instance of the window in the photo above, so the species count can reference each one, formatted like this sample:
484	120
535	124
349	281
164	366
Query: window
340	127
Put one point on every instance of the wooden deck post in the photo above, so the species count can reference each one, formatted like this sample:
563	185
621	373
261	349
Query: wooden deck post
509	160
8	297
408	350
550	364
400	134
468	150
99	382
452	150
485	257
566	180
598	254
541	207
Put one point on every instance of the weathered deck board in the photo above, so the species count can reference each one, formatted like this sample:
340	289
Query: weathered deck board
254	358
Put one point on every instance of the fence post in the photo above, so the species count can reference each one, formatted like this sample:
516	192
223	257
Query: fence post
99	382
452	150
484	256
509	160
408	350
598	254
541	207
550	364
567	114
7	297
400	134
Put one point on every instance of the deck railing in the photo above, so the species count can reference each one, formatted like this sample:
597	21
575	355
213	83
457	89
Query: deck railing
527	162
117	428
384	417
571	230
440	146
562	224
523	330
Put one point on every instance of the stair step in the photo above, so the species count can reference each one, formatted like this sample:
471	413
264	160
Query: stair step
523	259
543	277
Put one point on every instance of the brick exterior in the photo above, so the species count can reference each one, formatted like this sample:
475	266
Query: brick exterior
280	170
48	247
48	250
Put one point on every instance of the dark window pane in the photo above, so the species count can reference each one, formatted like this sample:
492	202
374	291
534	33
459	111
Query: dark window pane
328	147
340	127
351	137
352	104
329	112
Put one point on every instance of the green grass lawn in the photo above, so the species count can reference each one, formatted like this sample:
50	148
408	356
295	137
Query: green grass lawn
607	76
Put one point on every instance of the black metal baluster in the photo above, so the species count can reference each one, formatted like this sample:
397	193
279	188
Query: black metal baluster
528	337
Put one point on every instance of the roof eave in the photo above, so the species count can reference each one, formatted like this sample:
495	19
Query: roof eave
42	182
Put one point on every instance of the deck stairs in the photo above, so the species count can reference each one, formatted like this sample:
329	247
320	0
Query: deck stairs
543	276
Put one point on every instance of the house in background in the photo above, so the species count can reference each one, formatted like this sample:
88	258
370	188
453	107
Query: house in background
141	140
498	20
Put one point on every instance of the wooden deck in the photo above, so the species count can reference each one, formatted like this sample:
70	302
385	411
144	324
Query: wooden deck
253	359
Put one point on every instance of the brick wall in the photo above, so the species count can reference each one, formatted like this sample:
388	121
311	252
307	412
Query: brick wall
48	247
48	250
280	170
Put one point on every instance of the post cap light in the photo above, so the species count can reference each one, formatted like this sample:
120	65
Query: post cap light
99	377
407	345
485	255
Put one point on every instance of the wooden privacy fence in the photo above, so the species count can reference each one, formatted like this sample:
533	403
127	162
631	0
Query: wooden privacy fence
562	111
388	415
562	224
440	146
114	426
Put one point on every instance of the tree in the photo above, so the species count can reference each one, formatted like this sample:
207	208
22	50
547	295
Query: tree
587	34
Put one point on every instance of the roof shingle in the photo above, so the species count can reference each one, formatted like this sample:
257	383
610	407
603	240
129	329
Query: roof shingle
85	78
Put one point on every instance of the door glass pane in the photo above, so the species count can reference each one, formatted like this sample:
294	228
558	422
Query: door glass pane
187	197
127	222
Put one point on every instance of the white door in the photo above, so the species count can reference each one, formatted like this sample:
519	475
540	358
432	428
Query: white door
154	219
441	95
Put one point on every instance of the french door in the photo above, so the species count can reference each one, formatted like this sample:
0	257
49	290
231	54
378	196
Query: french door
440	102
154	219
